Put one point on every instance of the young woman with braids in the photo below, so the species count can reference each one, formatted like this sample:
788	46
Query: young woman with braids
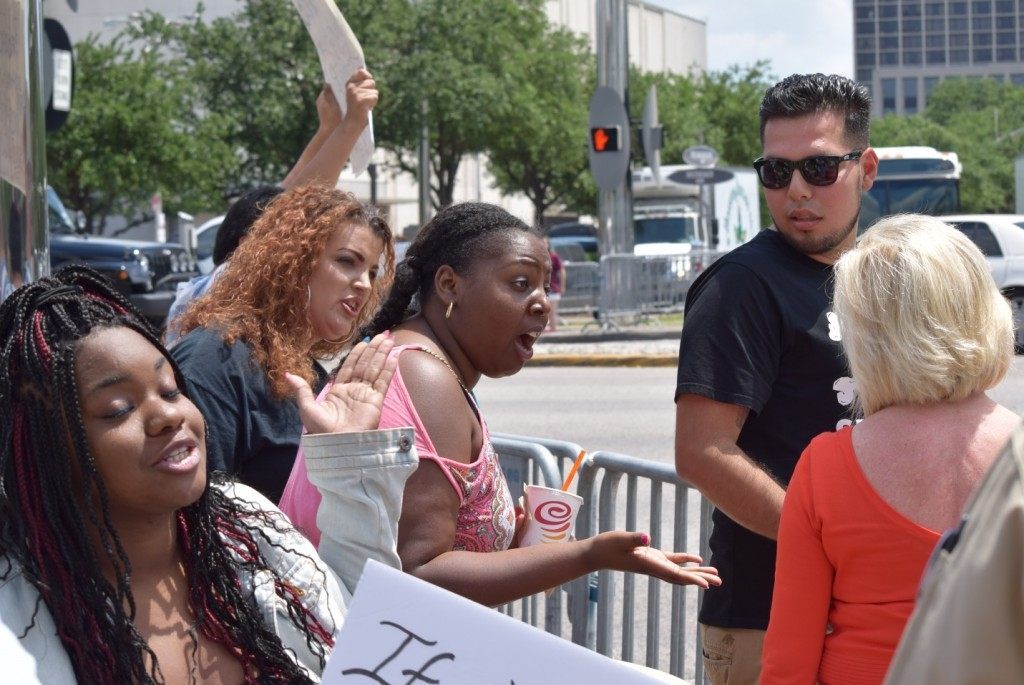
297	289
119	561
481	278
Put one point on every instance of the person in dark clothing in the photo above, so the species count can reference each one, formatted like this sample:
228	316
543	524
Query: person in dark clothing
761	370
311	272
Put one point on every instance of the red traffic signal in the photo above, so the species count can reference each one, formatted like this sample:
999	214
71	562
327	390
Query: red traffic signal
605	139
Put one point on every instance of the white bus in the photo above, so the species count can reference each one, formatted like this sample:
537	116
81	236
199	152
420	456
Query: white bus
913	179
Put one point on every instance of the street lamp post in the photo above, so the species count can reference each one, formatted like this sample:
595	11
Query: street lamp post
424	142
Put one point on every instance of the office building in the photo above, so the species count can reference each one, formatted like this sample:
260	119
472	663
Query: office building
904	48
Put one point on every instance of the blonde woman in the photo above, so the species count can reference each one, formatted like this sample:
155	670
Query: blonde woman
927	333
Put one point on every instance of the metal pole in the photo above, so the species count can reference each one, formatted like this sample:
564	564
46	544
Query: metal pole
24	244
615	208
424	144
372	168
424	165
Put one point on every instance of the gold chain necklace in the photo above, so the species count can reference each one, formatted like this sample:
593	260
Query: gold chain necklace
445	362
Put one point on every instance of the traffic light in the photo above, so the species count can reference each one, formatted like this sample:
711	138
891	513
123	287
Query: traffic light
605	139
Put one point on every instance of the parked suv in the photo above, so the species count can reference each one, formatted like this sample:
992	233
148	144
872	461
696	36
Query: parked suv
1000	237
147	273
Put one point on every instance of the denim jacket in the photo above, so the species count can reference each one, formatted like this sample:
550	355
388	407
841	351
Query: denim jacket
293	557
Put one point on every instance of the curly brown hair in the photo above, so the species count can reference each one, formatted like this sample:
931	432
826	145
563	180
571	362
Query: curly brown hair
262	297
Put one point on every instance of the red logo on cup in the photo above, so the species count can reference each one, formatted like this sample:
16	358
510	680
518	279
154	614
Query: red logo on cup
555	519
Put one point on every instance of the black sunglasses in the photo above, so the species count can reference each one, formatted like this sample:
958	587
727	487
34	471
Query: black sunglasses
822	170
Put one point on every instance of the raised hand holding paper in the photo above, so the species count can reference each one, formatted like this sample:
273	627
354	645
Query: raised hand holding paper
340	56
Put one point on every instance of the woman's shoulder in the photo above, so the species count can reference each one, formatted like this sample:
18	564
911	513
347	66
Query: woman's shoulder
426	377
825	453
247	495
289	555
277	536
203	355
830	442
206	343
30	621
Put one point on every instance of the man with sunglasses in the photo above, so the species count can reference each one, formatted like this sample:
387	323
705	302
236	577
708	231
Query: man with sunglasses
761	371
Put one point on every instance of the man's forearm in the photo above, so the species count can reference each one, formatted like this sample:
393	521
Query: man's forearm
744	491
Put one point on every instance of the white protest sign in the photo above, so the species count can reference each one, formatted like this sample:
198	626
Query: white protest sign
340	55
13	95
400	629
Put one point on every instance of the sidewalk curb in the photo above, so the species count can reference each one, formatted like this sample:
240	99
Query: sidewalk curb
636	360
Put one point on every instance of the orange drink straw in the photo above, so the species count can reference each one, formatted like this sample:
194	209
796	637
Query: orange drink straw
572	472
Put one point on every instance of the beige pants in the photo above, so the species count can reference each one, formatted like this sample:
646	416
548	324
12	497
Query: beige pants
732	656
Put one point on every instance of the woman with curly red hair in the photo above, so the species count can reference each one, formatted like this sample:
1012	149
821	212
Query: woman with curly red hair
310	274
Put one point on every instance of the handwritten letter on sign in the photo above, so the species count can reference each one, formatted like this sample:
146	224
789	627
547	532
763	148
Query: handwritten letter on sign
401	630
340	55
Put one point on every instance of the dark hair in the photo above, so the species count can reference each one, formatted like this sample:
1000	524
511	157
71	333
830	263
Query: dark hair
802	94
47	532
239	220
458	236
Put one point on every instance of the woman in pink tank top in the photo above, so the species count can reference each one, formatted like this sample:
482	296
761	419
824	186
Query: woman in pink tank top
480	278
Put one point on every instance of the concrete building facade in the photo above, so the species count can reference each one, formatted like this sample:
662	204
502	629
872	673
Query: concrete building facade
904	48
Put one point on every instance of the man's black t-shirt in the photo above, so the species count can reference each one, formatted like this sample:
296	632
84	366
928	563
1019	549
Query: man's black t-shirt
759	332
249	432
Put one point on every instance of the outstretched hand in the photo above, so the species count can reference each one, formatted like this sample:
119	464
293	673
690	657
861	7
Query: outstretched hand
623	551
355	398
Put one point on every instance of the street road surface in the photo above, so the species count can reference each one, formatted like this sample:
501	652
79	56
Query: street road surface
627	410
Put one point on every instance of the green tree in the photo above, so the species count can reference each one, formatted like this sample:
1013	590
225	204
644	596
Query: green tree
730	101
719	109
679	111
987	117
131	133
257	71
538	144
454	56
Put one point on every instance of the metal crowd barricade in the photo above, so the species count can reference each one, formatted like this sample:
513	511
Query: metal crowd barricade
563	452
640	287
582	285
525	461
599	483
600	514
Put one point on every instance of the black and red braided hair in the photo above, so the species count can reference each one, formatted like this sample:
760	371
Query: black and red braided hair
47	532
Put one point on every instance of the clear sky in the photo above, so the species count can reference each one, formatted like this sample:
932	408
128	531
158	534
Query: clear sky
797	36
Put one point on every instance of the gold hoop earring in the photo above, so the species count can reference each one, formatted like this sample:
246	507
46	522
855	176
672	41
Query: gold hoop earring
448	312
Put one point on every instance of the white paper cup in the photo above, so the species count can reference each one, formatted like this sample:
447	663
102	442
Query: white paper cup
550	515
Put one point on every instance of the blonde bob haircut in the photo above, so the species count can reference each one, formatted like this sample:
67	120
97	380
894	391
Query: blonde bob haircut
922	321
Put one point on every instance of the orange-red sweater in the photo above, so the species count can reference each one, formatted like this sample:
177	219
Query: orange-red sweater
846	574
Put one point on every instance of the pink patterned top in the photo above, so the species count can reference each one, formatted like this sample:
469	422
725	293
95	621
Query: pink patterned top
486	516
